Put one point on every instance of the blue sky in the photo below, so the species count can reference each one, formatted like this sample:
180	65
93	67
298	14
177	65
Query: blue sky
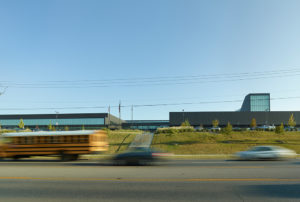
76	56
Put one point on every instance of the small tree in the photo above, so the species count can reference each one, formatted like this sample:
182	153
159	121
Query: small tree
215	123
50	127
228	129
82	128
185	123
292	122
279	129
21	124
253	123
66	128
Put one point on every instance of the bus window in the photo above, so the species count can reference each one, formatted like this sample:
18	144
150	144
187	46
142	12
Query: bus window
6	140
29	140
16	140
75	139
61	139
42	140
55	139
21	140
69	139
81	138
35	140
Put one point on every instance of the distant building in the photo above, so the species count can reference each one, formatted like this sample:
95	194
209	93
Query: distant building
77	121
256	102
150	125
237	119
255	105
61	121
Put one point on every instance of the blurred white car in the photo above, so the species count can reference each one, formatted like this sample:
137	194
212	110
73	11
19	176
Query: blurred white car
266	152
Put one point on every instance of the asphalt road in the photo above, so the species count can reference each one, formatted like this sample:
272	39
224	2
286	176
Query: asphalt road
186	180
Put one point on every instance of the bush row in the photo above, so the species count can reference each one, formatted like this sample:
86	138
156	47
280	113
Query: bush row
176	129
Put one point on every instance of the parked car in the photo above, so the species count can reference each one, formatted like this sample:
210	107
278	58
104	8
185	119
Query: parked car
266	152
237	129
139	156
289	128
215	129
266	127
199	128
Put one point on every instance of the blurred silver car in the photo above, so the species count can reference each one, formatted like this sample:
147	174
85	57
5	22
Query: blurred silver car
266	152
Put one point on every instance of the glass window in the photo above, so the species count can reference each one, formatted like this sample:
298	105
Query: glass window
260	103
36	122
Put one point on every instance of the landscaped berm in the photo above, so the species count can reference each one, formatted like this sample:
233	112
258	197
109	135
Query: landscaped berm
219	143
179	142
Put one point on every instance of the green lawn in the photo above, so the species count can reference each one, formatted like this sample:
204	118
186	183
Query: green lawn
116	138
210	143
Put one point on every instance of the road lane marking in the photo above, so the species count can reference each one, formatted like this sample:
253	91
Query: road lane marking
233	166
155	180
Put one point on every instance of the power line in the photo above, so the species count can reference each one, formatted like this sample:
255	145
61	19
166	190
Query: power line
171	80
146	105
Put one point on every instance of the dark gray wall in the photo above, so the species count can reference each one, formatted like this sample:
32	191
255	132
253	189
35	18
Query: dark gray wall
242	119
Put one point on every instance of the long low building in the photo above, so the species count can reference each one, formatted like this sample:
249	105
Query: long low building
238	119
60	121
77	121
255	106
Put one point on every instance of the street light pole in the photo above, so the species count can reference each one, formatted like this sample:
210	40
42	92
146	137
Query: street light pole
56	118
131	116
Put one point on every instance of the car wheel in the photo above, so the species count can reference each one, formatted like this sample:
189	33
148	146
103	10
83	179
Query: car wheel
119	162
144	162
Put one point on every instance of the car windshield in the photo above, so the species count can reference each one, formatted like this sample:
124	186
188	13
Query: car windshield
256	149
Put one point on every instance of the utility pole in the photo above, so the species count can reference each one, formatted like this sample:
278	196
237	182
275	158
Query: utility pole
56	118
131	116
1	93
120	114
108	116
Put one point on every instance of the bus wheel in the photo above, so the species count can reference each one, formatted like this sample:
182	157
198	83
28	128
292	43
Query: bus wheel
68	157
15	158
63	156
74	157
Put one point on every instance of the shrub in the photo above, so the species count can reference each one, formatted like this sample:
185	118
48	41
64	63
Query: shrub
279	129
185	123
228	129
173	130
215	123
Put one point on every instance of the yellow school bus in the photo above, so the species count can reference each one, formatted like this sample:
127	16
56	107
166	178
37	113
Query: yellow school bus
66	144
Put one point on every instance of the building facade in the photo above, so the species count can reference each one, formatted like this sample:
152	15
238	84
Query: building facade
255	105
237	119
60	121
149	125
257	102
